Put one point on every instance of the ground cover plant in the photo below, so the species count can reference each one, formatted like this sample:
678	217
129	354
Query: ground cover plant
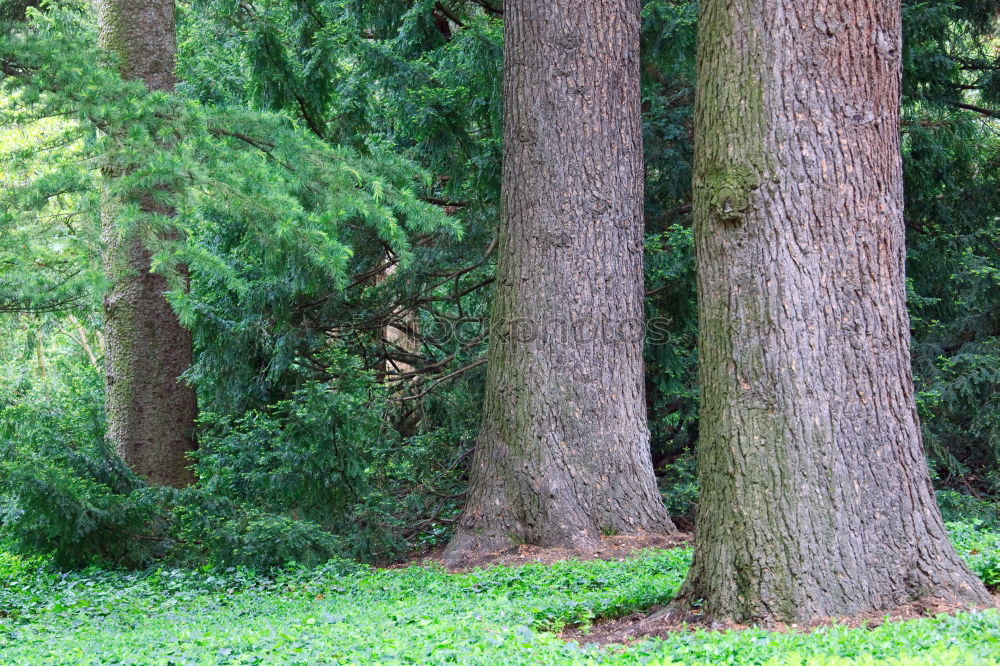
344	612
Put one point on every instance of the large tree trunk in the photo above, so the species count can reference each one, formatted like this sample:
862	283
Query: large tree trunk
563	454
815	496
150	413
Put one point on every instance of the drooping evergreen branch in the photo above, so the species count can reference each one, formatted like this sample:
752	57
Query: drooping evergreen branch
992	113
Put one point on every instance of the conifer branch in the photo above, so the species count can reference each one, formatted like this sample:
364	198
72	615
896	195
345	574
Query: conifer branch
979	109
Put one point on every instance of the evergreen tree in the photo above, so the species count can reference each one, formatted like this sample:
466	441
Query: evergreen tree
563	453
150	410
815	498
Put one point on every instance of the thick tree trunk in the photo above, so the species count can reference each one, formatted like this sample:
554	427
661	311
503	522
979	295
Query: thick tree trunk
563	454
815	496
150	413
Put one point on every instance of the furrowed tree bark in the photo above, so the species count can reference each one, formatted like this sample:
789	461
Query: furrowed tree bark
150	412
815	499
563	453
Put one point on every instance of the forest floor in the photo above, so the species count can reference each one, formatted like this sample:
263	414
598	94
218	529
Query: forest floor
549	612
610	548
638	626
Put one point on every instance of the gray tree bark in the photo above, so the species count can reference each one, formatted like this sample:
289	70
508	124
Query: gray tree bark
150	413
563	453
815	496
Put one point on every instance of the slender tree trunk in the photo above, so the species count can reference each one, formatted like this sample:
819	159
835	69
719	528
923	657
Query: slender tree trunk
40	353
563	454
815	496
150	413
81	337
16	10
402	331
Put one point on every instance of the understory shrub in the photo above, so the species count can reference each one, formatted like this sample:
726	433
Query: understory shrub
959	507
679	486
303	480
62	490
315	476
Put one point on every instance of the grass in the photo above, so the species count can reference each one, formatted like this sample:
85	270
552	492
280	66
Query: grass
347	613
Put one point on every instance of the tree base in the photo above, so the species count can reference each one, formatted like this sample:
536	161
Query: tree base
470	552
469	547
663	623
691	607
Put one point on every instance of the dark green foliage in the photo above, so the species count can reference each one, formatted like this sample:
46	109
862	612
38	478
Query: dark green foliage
437	102
958	507
672	329
952	171
679	485
274	490
302	467
209	530
300	455
668	41
62	490
668	47
259	203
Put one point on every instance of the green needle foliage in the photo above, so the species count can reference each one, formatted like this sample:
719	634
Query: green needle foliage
268	216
